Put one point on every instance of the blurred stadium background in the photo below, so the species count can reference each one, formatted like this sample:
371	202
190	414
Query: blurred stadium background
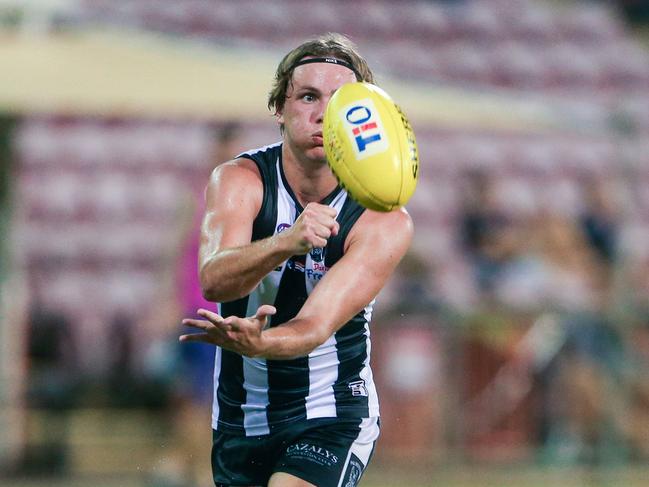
512	346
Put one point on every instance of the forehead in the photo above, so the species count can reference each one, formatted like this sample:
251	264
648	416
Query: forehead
325	76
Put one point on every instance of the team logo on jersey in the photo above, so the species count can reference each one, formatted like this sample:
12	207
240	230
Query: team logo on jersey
317	254
358	388
364	128
281	227
296	265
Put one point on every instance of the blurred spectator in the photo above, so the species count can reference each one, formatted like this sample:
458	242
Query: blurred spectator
582	427
127	386
636	11
600	220
485	230
53	368
635	421
410	287
190	462
574	274
579	421
53	387
198	358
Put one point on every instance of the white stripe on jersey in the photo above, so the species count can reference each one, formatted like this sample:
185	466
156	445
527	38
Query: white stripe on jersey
323	372
255	382
366	375
215	402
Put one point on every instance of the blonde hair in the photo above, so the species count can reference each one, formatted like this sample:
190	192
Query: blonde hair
331	44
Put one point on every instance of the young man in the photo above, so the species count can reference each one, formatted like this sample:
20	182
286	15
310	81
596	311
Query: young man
294	401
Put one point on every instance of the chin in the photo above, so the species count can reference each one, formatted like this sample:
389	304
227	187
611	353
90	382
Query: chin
320	152
316	154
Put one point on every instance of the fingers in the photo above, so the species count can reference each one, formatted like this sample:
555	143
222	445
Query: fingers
208	326
214	333
210	315
316	225
214	318
335	229
322	232
200	324
240	335
195	337
323	217
264	311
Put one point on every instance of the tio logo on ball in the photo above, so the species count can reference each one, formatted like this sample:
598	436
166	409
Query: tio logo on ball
364	128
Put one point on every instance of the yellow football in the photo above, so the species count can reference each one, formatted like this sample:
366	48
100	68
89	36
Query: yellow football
370	146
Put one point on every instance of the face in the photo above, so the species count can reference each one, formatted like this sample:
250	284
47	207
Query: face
306	100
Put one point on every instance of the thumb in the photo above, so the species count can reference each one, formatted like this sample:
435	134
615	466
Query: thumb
264	311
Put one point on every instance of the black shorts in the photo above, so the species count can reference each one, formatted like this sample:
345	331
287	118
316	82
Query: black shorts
326	452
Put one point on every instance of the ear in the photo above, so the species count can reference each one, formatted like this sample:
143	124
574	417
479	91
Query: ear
280	116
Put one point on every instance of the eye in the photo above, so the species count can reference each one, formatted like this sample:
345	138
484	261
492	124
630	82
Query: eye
309	97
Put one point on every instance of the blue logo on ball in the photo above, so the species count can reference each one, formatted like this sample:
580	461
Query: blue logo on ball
365	131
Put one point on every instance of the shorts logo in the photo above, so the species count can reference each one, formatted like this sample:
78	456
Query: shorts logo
364	128
358	388
354	472
314	453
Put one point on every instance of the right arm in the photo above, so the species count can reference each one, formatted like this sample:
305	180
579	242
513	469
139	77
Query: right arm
230	265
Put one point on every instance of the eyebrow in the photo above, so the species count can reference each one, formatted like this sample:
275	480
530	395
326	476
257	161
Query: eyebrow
312	88
307	88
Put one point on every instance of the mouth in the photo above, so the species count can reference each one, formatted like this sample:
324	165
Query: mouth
317	138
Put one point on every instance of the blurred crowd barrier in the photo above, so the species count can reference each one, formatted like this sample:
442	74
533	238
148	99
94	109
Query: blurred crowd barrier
515	332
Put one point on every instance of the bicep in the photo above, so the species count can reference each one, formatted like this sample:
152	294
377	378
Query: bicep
232	200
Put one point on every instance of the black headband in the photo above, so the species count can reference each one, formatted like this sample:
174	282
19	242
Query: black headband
328	60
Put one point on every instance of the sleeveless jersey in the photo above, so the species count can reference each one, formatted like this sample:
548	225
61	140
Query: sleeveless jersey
253	396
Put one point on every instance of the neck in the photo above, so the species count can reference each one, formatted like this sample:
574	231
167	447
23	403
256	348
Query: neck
310	180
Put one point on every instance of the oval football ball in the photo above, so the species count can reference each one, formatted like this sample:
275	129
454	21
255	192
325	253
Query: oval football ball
370	146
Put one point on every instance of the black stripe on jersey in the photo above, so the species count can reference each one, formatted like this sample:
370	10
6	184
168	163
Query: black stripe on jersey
350	390
351	343
288	380
264	224
348	215
231	393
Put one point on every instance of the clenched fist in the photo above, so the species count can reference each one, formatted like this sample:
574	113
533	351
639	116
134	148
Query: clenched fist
313	228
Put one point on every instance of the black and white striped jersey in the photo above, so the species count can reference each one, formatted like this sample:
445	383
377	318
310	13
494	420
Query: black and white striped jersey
252	396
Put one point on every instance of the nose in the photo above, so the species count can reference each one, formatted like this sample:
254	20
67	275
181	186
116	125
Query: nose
322	106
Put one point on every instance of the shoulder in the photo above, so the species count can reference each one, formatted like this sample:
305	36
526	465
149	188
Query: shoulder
235	180
241	170
393	229
235	175
385	223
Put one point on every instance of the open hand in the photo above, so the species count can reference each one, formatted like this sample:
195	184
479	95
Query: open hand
240	335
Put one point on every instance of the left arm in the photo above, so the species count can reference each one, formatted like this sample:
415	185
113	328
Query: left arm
374	247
